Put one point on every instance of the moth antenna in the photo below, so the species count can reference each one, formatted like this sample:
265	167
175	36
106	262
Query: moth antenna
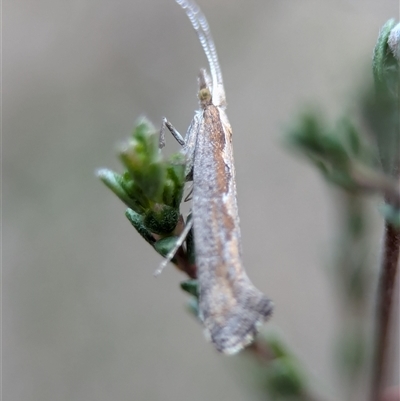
200	25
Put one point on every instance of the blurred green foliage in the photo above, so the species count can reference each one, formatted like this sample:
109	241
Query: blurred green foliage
360	156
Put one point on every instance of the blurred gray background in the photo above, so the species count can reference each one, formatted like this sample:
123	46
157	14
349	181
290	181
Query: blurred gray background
83	316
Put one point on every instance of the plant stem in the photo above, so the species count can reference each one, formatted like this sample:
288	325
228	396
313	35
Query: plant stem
390	261
183	264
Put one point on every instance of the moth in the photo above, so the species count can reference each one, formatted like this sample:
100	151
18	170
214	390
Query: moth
230	306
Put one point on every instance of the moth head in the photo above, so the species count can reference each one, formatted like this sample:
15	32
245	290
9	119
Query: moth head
205	96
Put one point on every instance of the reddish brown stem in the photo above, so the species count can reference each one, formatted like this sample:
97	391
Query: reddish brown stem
390	261
182	263
261	351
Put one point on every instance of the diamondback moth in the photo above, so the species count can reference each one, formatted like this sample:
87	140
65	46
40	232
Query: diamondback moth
230	306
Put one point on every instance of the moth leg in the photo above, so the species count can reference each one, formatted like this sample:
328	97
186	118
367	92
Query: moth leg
189	195
173	251
190	144
172	130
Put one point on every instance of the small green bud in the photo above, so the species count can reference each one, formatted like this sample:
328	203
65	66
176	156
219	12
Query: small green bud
142	158
148	175
147	136
161	219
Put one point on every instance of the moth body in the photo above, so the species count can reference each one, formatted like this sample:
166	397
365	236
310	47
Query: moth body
230	306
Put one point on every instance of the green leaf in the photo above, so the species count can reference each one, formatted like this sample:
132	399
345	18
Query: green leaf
117	184
310	136
191	287
175	181
135	193
137	222
165	245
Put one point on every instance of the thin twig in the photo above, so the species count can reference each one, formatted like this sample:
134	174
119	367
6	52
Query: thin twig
390	261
